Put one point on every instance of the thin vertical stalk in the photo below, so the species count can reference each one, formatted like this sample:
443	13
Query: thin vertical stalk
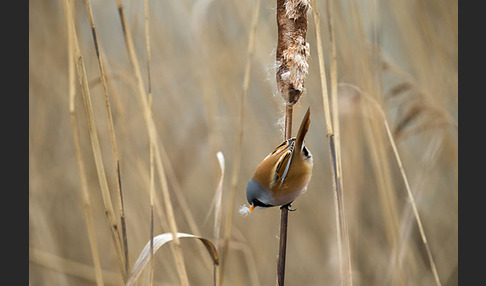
239	141
288	121
284	212
282	246
81	70
152	177
370	81
343	239
112	132
152	132
291	68
334	87
82	171
409	190
86	202
218	213
179	196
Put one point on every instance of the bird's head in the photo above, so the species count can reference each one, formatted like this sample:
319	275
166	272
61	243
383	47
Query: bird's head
258	196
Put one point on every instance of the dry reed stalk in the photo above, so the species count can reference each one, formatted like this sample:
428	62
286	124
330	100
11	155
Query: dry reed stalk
239	140
284	212
410	195
172	178
291	68
179	195
218	198
82	171
334	152
385	188
375	136
412	200
288	122
81	70
334	88
204	80
218	211
370	68
116	161
282	246
86	202
152	206
151	153
431	155
177	191
152	132
369	80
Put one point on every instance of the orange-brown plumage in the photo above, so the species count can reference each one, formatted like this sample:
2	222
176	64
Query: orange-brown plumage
284	174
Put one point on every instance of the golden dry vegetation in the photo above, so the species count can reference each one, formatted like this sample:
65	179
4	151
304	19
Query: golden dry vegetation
396	68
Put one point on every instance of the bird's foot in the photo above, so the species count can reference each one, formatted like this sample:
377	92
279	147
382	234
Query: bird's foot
287	206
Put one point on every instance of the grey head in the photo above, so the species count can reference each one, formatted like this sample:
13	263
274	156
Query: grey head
258	196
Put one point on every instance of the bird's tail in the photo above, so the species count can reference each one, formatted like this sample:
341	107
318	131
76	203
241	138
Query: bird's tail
304	126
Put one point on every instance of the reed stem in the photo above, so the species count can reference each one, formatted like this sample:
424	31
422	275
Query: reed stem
81	168
95	144
284	212
291	68
116	161
153	135
239	142
334	152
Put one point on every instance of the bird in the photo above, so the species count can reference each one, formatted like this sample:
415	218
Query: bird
284	173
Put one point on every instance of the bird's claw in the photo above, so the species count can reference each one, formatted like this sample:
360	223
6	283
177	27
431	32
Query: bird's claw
287	207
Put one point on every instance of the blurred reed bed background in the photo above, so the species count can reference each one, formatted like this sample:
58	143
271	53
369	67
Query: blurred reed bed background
394	58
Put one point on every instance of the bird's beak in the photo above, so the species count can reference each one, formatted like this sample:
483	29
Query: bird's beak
252	208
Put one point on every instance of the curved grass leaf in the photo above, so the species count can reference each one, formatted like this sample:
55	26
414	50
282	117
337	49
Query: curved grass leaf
160	240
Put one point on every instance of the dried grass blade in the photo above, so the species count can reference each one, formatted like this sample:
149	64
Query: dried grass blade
152	132
334	151
111	125
239	140
152	175
81	70
407	186
82	171
218	198
412	201
159	241
334	88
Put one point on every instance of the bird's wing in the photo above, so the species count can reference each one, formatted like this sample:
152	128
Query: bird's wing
283	163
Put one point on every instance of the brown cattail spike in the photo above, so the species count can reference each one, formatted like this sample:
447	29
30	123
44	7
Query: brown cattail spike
292	49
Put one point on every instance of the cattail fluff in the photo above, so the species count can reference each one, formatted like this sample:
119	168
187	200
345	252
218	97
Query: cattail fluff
244	210
292	48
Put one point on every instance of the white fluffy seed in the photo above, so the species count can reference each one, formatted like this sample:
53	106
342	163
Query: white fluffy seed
244	210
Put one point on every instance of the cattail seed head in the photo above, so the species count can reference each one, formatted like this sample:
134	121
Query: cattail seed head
292	48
